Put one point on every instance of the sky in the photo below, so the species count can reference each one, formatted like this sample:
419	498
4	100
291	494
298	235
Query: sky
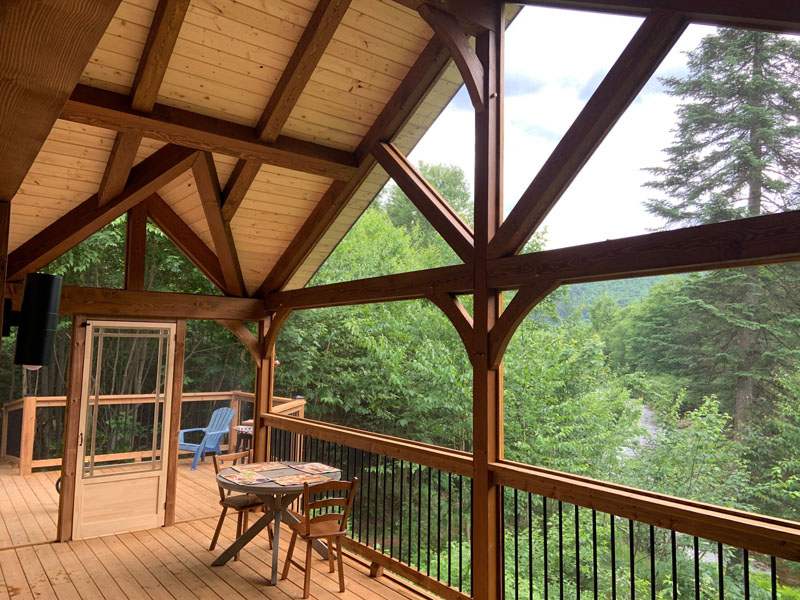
555	59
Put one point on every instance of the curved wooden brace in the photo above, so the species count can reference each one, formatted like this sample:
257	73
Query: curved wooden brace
503	330
244	335
453	309
277	321
447	29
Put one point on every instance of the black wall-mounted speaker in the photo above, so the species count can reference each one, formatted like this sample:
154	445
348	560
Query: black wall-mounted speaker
37	323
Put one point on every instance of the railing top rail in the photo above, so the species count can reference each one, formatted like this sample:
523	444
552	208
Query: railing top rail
759	533
45	401
438	457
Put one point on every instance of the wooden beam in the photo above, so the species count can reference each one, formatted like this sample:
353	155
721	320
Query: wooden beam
315	39
5	222
110	110
244	335
475	16
775	15
164	30
88	217
186	240
119	165
103	302
205	176
627	77
455	279
69	460
395	114
446	27
746	242
175	421
454	310
513	315
242	177
44	47
428	201
135	247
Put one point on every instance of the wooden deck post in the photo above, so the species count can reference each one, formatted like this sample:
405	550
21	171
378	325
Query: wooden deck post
487	381
175	422
69	458
27	435
262	402
5	221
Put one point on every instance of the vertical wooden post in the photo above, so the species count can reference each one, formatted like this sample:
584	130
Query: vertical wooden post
262	402
69	458
175	422
487	382
27	434
233	435
135	244
5	221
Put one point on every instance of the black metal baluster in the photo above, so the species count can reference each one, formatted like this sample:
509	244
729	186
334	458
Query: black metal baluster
746	561
439	529
613	559
383	516
560	550
377	496
577	555
503	542
391	519
449	528
544	552
361	498
402	506
516	544
530	546
410	510
428	568
594	553
720	571
368	476
460	524
631	551
652	563
419	518
696	548
773	577
673	542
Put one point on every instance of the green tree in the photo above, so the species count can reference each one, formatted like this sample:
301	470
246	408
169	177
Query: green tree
736	154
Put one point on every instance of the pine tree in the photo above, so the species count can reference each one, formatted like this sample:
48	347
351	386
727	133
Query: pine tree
736	154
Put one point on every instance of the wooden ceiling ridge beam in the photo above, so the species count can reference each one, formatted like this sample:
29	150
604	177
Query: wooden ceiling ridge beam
635	66
447	28
473	16
408	95
745	242
89	217
447	222
776	15
312	44
110	110
44	47
186	240
205	176
164	30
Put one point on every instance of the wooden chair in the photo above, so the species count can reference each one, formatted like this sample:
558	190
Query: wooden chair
241	503
327	526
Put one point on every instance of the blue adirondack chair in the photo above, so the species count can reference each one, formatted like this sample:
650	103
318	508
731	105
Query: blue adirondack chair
217	427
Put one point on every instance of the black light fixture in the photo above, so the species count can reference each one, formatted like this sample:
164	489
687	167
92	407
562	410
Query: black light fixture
36	321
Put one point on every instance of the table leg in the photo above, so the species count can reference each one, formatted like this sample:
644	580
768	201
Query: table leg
247	536
276	540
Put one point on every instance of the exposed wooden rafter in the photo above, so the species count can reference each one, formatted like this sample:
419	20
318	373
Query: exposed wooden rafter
88	217
135	245
110	110
161	39
428	201
449	31
474	15
186	240
205	176
627	77
44	47
315	39
394	115
776	15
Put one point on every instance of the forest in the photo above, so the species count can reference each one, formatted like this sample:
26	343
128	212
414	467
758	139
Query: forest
686	385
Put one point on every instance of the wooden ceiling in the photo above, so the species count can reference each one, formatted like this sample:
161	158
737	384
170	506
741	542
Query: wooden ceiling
266	113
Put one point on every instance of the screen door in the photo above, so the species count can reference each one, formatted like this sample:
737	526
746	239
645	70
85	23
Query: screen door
124	427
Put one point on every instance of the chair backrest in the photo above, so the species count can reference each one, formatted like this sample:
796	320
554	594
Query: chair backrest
223	461
344	503
220	419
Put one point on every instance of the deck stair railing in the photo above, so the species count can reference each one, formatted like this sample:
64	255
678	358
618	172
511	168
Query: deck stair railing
32	427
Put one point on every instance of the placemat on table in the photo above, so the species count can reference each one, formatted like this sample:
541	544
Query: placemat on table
246	477
290	480
315	468
258	467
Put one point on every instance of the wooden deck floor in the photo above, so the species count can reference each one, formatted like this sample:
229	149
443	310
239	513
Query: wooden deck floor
163	563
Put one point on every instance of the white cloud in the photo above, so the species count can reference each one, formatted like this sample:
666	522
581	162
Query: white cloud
554	60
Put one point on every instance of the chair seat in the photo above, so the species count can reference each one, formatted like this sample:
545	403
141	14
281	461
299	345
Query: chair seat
242	501
320	529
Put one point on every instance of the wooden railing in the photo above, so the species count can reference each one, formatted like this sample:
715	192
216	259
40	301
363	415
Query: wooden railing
17	446
541	504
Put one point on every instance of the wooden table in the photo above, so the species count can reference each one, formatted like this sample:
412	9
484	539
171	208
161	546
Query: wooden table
277	498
